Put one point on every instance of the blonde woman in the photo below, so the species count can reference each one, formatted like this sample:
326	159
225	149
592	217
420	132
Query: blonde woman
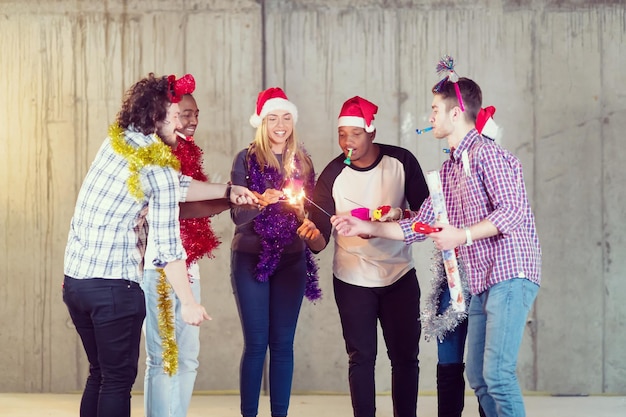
272	267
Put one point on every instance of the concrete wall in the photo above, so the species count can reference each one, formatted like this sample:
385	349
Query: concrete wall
552	68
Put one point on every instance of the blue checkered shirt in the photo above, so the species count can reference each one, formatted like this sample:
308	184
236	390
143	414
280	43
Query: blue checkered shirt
494	190
107	237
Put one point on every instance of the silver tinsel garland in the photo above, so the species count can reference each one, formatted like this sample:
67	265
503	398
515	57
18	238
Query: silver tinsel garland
438	325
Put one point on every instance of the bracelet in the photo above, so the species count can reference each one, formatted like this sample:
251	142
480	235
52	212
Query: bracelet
468	237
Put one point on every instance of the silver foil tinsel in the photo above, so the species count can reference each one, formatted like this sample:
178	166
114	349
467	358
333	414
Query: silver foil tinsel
438	325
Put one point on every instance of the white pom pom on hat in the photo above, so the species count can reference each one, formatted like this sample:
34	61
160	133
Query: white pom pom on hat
358	112
274	98
486	126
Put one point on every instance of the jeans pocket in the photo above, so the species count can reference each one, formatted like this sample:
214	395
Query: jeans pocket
529	291
128	300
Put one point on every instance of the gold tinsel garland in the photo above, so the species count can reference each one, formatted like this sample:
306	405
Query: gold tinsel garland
157	153
167	326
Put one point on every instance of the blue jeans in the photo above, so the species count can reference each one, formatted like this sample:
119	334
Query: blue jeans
164	395
452	348
269	313
397	308
497	318
108	314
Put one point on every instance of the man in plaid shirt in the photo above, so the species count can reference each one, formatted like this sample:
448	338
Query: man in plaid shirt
131	185
492	225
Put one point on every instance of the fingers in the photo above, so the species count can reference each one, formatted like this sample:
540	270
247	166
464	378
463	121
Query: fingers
272	195
308	230
194	315
241	195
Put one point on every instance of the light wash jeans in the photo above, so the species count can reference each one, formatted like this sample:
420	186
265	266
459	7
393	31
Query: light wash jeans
497	318
164	395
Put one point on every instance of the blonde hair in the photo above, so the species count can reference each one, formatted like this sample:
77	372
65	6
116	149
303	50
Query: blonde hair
262	148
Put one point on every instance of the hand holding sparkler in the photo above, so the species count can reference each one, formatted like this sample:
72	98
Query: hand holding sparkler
308	230
294	193
269	196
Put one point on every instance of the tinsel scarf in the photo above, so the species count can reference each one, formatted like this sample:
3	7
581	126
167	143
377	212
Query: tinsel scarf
157	153
197	235
438	325
277	227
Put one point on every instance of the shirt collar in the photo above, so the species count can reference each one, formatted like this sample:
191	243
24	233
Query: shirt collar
466	143
138	138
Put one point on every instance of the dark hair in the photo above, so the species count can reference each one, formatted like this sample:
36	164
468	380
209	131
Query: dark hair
470	93
145	103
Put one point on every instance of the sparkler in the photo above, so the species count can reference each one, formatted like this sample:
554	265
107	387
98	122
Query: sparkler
321	209
294	193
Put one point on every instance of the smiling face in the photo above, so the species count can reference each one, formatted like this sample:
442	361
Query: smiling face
188	115
166	129
364	152
279	124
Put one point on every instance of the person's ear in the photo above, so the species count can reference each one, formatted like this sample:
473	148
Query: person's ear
456	113
373	135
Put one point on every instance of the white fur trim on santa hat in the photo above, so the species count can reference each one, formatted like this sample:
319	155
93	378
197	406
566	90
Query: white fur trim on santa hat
356	122
492	130
272	104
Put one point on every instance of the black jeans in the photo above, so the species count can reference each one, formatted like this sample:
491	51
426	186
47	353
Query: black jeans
397	308
108	315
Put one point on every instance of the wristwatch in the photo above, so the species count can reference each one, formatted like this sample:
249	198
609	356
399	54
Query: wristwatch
468	237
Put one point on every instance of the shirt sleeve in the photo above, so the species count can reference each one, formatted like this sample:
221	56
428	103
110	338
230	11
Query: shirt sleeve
238	176
184	182
424	215
323	197
501	174
163	211
416	189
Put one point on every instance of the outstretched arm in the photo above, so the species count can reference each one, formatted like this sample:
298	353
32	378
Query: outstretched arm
206	208
351	226
192	312
237	194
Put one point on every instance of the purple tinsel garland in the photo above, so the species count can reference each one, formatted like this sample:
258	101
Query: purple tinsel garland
277	227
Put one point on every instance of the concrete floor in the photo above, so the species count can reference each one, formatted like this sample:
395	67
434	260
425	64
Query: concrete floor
66	405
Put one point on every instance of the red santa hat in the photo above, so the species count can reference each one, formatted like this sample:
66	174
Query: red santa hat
485	124
358	112
273	98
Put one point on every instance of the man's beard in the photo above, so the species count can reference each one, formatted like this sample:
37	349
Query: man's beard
168	139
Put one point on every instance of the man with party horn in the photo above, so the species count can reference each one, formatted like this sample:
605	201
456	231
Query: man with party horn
493	227
374	280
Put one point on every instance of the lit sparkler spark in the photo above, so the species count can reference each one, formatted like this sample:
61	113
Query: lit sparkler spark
294	194
294	191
